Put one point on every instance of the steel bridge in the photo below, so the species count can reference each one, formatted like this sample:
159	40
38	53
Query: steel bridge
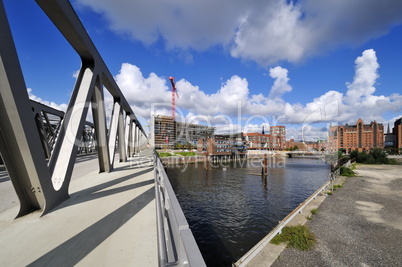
88	220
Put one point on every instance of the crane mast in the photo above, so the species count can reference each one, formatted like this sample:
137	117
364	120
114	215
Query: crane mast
174	93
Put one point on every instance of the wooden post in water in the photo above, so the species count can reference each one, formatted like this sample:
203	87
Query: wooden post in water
264	169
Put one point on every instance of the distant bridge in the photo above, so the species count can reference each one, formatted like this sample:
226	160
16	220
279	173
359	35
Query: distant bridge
39	148
305	154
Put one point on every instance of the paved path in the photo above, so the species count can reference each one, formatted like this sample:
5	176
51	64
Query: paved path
108	221
359	225
8	198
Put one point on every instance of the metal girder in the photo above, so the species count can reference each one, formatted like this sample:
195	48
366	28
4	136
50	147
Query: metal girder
20	146
122	138
114	121
99	117
40	185
64	154
127	135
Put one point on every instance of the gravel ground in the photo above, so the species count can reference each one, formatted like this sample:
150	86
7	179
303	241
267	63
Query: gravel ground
359	225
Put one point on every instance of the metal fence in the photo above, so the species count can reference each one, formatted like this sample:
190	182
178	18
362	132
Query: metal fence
176	243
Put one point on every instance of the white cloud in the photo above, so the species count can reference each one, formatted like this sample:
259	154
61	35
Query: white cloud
271	32
142	91
233	107
75	74
366	74
263	31
281	85
62	107
223	106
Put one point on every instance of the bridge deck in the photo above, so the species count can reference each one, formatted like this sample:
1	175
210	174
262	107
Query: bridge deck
108	220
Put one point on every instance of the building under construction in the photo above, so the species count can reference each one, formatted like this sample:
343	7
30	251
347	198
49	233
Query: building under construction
170	134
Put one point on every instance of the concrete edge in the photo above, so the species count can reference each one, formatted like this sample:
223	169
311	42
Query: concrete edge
266	253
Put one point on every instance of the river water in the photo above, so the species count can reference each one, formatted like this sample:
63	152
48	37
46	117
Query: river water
230	208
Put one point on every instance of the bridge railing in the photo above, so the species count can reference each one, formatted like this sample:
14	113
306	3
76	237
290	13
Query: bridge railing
176	243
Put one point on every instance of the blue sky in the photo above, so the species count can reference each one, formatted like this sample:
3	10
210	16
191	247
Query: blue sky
302	64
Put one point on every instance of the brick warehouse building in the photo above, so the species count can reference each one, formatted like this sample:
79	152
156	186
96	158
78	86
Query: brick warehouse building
361	137
275	140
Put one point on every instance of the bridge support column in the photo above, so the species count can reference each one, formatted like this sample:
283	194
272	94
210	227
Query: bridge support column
99	117
20	147
113	131
122	138
135	139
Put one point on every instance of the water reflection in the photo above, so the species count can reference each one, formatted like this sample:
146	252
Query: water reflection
230	209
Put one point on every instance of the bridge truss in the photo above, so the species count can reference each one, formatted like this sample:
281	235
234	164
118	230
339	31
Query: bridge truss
39	147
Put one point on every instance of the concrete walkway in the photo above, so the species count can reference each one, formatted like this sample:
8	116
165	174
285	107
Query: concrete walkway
110	220
359	225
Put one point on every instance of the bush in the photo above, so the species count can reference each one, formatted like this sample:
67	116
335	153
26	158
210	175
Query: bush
354	154
314	211
345	171
298	237
376	156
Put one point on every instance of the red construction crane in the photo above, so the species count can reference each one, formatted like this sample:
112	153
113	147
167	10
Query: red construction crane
174	93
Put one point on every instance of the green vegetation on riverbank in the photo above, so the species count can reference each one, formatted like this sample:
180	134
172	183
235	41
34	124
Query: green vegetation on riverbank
165	154
346	171
299	237
184	154
376	156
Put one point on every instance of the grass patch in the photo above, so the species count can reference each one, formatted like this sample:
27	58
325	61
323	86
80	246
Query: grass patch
346	171
165	154
299	237
314	211
336	186
330	193
185	154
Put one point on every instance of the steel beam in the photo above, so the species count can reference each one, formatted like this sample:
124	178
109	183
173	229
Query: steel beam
136	130
99	117
63	157
20	146
114	121
122	138
40	185
127	133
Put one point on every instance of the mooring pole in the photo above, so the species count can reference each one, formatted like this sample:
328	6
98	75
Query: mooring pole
264	169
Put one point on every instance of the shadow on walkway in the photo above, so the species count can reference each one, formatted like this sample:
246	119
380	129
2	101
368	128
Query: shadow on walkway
76	248
92	193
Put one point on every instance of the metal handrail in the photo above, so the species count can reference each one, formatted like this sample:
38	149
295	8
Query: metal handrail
176	243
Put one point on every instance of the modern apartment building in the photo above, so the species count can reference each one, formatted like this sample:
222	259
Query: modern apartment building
361	137
190	133
222	145
164	129
394	139
169	133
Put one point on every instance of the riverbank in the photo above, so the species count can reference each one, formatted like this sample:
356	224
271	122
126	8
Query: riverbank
264	253
359	225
